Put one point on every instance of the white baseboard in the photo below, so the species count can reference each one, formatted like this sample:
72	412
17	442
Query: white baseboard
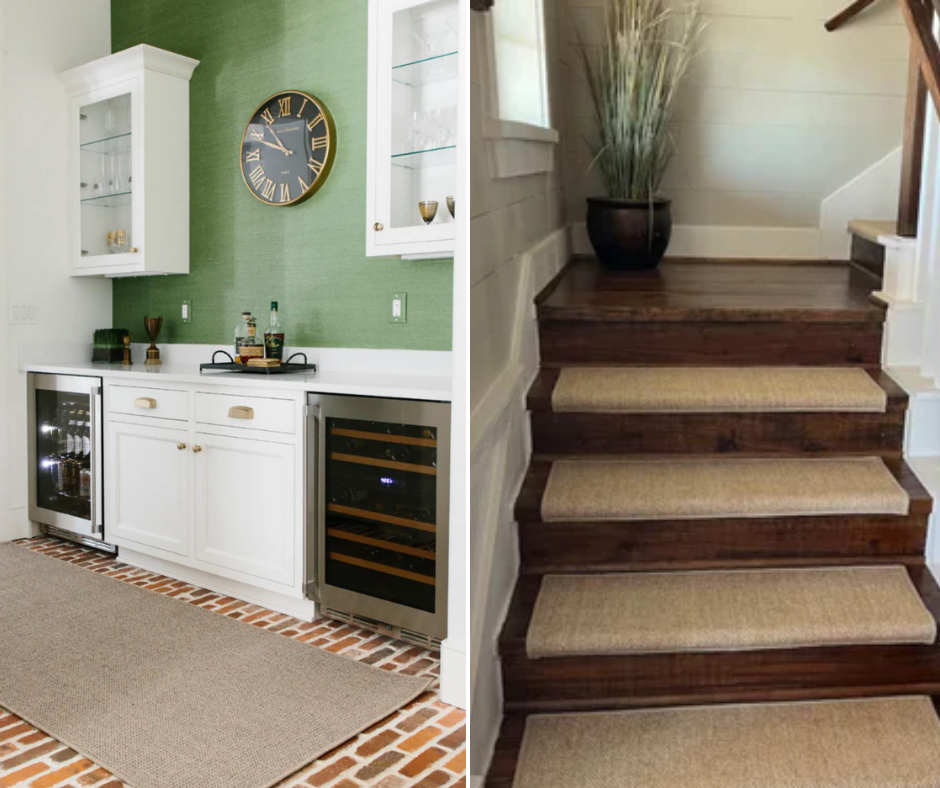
453	675
783	243
304	609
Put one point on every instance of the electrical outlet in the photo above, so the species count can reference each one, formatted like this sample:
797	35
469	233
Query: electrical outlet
187	312
23	313
399	308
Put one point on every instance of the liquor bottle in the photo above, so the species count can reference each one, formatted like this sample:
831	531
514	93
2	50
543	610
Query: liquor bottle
58	459
84	472
274	336
251	346
346	495
241	334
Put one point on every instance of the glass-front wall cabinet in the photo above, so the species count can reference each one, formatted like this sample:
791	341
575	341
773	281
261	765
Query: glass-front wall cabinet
128	143
106	135
414	127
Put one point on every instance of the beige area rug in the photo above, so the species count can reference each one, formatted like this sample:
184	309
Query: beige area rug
639	613
882	743
667	489
166	695
724	390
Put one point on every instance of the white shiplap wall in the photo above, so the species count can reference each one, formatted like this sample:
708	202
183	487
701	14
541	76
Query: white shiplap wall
778	114
518	241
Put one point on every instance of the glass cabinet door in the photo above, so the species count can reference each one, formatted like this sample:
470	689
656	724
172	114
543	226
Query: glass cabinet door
382	510
107	178
417	149
63	452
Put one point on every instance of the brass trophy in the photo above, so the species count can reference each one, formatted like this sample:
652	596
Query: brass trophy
128	338
153	326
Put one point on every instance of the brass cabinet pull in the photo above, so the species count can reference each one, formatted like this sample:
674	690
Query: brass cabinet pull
378	226
180	446
197	449
241	412
147	403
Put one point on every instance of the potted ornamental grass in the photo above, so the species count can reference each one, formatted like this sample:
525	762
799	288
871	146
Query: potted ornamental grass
634	78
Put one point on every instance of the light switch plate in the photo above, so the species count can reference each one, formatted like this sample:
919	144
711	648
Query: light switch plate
187	312
23	313
399	308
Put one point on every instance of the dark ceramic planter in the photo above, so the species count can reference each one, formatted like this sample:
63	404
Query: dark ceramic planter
629	235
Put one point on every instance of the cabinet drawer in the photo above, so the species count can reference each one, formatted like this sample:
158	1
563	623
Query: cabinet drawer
250	413
149	402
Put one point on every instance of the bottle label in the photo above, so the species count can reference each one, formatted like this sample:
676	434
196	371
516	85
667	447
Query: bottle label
70	445
274	346
86	445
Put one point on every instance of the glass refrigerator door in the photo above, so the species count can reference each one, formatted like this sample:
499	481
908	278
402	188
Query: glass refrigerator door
107	183
381	510
63	452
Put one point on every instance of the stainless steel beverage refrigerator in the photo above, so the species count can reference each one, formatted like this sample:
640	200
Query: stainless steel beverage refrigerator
65	462
378	513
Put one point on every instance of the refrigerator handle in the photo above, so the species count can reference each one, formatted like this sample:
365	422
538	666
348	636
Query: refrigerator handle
312	474
97	499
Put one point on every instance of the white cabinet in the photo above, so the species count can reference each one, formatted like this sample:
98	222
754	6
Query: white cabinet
245	499
128	169
148	474
414	137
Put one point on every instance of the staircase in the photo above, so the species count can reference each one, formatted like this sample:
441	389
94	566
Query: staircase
718	512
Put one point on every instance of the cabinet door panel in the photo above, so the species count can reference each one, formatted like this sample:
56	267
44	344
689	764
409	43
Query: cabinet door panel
246	516
149	492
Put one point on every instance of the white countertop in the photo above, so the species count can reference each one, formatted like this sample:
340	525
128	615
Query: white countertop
364	384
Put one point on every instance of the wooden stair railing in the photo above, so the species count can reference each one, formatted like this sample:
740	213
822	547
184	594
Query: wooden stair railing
844	16
924	78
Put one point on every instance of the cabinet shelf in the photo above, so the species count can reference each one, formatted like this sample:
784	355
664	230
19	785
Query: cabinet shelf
428	71
388	570
378	517
419	159
381	543
109	146
117	200
430	470
375	436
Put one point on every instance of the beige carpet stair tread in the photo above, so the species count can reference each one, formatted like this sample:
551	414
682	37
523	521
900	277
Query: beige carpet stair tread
640	613
725	390
881	743
708	488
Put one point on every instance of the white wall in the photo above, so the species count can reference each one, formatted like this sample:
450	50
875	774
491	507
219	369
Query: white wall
778	114
40	39
518	242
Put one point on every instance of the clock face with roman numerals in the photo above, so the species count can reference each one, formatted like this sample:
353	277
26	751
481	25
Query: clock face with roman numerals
288	148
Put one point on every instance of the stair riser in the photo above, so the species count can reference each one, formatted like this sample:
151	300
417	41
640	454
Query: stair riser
727	543
868	255
757	434
710	344
552	685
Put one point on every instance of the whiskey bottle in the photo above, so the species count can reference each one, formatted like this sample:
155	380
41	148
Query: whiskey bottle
274	336
251	346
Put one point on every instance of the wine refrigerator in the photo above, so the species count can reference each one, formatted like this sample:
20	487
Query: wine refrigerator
378	513
65	485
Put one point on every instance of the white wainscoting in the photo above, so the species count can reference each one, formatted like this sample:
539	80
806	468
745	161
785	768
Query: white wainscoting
499	457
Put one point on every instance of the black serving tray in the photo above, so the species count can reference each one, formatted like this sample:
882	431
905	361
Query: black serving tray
231	366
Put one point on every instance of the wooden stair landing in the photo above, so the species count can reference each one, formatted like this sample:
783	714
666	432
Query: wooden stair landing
714	313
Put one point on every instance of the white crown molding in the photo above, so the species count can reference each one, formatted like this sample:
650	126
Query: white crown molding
138	58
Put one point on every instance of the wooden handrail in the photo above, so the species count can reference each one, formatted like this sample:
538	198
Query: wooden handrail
844	16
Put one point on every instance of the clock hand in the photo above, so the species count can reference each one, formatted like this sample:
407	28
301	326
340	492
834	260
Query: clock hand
287	151
276	147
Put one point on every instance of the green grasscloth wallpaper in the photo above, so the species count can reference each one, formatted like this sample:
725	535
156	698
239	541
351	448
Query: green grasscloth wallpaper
309	257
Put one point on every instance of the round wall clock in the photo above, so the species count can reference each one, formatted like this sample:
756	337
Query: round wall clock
288	148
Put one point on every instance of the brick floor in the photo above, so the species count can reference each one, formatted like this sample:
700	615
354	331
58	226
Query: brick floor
423	744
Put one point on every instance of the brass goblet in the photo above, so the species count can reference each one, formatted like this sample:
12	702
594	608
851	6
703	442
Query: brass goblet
428	209
450	207
153	326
